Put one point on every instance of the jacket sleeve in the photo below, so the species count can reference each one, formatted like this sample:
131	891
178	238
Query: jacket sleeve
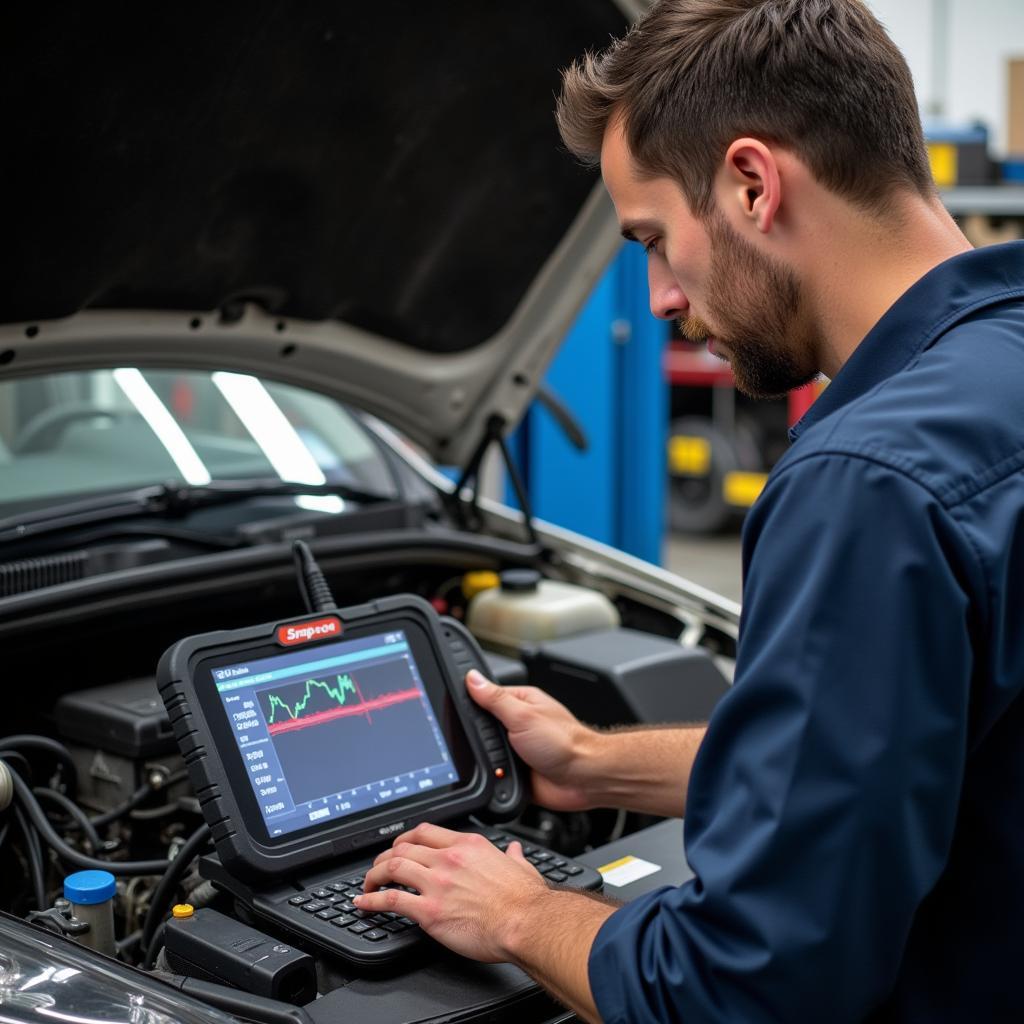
822	803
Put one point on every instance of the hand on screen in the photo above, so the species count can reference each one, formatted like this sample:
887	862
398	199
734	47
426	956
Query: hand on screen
545	734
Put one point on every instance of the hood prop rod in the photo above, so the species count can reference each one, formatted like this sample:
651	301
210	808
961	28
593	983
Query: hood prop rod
468	512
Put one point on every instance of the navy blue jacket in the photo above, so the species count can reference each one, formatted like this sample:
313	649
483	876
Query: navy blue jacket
855	816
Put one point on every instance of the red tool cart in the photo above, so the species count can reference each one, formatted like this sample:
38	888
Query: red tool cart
721	443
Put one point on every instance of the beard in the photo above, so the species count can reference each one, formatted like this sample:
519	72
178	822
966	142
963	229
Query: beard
759	309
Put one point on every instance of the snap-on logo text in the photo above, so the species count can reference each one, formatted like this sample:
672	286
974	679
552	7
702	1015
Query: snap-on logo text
303	632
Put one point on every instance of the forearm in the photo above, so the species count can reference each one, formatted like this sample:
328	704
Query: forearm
642	769
551	941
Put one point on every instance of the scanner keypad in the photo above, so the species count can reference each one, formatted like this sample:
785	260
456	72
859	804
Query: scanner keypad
331	902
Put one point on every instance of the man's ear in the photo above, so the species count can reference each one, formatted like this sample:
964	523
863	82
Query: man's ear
752	183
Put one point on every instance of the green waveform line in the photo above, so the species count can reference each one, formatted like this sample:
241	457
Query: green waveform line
346	685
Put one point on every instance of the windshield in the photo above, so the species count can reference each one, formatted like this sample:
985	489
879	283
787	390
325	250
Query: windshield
72	434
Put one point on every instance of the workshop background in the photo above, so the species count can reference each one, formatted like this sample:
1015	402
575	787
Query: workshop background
674	455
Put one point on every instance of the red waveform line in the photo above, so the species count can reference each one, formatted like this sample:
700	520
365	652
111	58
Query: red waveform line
385	700
362	699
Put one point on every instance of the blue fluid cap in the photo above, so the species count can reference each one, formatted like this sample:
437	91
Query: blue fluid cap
86	887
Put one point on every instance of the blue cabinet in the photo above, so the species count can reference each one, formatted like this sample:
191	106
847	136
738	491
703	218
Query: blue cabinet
609	374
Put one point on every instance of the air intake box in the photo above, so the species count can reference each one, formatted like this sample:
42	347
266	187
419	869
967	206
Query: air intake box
621	676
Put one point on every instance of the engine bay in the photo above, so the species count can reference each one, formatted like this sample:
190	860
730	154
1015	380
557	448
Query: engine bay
92	746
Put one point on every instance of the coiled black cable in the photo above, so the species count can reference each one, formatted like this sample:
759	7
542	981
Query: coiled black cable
145	790
313	586
164	893
12	757
34	855
151	951
58	751
78	817
121	810
237	1003
30	805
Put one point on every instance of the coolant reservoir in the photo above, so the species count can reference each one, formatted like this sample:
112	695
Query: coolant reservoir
526	609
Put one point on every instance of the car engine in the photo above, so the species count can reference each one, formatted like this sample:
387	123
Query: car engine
90	770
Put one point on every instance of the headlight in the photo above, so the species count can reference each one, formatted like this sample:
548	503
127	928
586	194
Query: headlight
48	980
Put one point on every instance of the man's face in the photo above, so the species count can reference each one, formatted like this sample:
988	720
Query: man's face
720	287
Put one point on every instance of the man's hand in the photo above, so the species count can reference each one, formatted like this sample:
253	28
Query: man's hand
546	735
645	769
471	895
490	906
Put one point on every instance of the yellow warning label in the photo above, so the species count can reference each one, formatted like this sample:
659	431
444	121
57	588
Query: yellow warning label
615	864
627	869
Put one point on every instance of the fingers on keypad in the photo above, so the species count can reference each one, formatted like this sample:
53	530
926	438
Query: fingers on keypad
333	903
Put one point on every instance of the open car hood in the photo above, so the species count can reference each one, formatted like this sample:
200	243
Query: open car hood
369	200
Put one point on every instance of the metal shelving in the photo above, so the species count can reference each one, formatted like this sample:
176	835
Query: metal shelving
993	200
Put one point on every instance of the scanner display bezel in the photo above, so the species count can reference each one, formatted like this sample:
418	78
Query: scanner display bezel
215	763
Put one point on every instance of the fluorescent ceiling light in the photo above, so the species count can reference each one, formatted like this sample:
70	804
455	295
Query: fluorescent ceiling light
321	502
278	439
163	424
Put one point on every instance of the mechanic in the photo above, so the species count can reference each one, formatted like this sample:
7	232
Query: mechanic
855	814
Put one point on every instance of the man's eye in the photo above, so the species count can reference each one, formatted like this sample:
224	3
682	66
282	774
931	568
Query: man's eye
651	247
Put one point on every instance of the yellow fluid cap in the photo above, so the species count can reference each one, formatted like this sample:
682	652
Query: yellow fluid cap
182	910
474	582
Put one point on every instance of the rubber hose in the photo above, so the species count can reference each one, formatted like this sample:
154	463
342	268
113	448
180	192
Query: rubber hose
73	811
36	865
161	898
44	743
69	854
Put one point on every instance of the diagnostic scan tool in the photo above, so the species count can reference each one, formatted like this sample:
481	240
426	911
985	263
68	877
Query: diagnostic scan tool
312	743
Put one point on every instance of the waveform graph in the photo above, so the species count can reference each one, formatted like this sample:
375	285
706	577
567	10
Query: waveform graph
314	702
338	731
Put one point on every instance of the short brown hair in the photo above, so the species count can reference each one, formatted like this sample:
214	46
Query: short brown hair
818	77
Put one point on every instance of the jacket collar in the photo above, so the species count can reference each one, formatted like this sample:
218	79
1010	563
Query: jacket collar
946	295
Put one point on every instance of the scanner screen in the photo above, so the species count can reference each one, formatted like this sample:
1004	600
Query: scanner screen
335	731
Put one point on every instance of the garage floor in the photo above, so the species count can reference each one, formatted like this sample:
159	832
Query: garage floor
713	562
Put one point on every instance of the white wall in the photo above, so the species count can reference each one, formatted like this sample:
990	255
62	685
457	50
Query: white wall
981	35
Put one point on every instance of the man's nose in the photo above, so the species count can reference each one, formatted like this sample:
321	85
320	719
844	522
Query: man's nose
668	302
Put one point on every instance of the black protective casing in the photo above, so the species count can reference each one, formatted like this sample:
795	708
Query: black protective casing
246	855
622	676
122	718
213	947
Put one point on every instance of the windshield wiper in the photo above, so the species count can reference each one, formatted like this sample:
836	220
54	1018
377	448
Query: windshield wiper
169	501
